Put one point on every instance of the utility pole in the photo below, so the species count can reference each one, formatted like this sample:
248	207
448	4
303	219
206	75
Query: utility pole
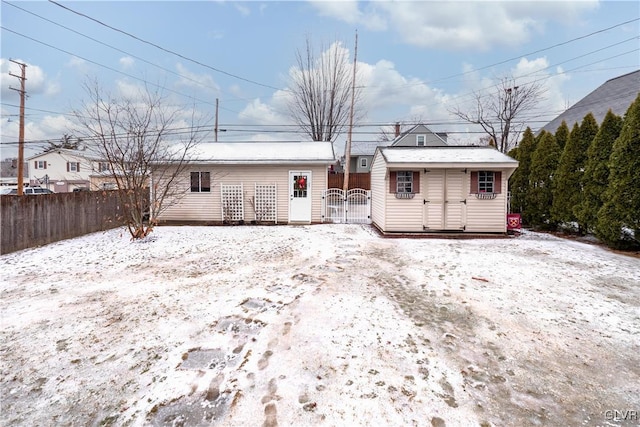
216	127
347	149
22	92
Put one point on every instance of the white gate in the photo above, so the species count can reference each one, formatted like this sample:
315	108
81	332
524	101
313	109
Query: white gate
354	208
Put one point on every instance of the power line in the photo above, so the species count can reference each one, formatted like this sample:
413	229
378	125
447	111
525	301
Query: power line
164	49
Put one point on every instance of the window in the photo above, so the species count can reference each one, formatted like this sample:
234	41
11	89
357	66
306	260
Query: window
404	182
200	182
421	140
485	182
40	164
103	167
73	167
363	162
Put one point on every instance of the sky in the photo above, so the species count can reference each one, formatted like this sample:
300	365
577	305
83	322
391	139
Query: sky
416	61
282	326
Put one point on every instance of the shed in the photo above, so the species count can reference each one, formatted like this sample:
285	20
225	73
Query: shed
280	182
440	189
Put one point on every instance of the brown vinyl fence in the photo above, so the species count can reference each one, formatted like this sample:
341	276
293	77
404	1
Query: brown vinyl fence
356	180
29	221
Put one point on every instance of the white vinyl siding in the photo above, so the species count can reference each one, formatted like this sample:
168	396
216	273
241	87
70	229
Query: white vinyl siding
488	215
379	186
207	206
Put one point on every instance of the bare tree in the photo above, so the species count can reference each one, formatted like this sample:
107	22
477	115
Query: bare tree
500	114
137	136
321	92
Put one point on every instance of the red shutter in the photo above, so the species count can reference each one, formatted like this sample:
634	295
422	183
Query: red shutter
35	164
416	182
497	182
45	164
393	185
67	166
474	183
78	167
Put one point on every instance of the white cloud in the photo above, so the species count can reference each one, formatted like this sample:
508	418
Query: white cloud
78	64
126	62
457	25
350	12
37	82
242	8
198	81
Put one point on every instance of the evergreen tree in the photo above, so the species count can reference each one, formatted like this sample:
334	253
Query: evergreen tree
567	192
519	181
562	135
619	218
539	198
596	171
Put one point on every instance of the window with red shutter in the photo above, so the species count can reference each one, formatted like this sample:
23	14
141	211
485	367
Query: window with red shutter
483	182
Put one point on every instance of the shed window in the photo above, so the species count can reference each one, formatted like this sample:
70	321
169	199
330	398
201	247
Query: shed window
403	182
421	140
486	182
200	182
363	162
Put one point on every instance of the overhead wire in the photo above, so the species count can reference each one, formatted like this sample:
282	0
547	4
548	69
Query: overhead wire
272	87
235	76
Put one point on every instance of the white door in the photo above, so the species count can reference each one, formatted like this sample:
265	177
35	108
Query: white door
444	203
300	196
455	202
434	199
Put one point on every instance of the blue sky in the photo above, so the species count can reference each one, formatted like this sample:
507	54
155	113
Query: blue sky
416	60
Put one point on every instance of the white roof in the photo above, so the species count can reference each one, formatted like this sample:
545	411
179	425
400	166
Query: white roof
263	152
451	155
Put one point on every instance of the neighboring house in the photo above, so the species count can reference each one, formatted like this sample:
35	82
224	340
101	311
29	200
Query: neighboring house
616	95
63	170
418	136
435	189
253	181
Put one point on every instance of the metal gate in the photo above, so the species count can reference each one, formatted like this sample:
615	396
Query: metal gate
352	208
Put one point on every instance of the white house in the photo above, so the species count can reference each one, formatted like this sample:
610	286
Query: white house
279	182
436	189
63	170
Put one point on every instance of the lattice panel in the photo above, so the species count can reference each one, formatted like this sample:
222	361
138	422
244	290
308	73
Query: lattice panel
266	202
232	197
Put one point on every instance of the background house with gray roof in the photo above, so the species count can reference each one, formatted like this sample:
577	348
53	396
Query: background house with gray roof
615	94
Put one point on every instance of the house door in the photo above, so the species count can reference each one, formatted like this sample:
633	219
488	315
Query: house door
444	205
300	196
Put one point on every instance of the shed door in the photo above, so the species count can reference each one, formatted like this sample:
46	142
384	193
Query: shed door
455	202
300	196
434	199
444	206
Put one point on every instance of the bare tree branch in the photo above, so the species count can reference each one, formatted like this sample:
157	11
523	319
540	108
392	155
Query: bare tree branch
500	114
135	136
321	88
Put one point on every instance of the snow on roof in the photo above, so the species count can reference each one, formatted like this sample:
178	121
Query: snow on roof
264	152
446	155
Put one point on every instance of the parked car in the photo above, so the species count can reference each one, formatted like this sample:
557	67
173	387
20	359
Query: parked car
37	190
27	191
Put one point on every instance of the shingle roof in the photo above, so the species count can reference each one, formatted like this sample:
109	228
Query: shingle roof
616	94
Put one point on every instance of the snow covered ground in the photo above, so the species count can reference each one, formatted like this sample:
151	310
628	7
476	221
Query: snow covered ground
318	325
